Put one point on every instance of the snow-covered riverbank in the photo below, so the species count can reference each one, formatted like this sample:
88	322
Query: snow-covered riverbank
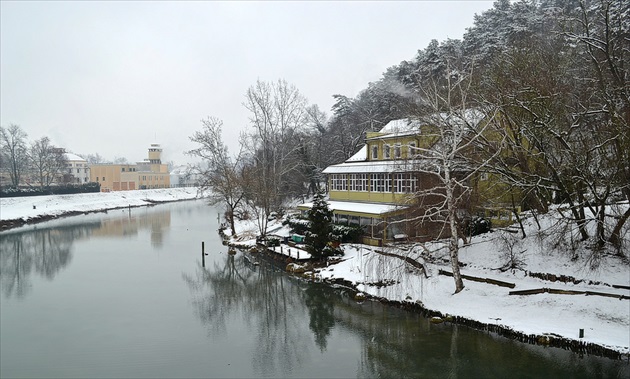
605	321
15	211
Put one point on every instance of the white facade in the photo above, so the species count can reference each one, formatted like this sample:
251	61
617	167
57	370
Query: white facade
182	177
77	168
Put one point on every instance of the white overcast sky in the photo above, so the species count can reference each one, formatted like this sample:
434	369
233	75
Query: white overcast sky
112	77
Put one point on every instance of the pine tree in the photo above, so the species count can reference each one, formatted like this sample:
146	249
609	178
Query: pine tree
318	235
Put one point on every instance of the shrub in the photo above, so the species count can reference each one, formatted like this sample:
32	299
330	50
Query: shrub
478	225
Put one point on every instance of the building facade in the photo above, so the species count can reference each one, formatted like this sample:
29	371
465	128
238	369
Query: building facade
78	170
382	190
375	188
147	174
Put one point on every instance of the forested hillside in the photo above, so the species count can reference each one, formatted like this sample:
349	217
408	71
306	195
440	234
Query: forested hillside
549	76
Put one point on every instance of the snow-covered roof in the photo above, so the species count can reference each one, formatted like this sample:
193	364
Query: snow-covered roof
370	167
74	157
350	206
400	127
179	170
360	155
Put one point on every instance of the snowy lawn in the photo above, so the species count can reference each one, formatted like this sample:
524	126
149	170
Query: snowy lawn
29	207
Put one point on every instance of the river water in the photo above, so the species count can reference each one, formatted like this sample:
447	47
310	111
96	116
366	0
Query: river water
123	294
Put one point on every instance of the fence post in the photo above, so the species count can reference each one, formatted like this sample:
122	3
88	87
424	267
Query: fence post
203	254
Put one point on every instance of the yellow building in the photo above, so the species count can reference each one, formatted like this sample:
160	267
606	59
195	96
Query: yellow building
150	173
381	189
375	187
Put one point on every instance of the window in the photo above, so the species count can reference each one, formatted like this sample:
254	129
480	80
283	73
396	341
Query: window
397	151
381	183
386	152
339	182
358	182
374	152
412	149
404	183
123	169
103	178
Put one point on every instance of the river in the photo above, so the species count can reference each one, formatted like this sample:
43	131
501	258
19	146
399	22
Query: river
123	294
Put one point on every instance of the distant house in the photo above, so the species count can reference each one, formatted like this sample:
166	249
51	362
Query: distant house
78	169
181	176
149	173
381	189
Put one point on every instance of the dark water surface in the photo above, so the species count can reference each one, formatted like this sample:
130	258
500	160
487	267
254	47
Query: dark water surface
123	294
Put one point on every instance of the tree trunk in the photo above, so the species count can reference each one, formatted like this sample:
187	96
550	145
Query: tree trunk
615	235
231	220
454	243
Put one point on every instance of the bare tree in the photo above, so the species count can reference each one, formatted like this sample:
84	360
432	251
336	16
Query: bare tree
221	173
277	116
47	162
13	153
443	159
93	158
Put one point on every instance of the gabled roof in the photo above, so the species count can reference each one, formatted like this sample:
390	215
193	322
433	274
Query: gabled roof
359	163
405	125
398	128
359	156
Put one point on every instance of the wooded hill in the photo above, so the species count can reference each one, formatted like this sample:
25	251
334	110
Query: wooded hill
550	76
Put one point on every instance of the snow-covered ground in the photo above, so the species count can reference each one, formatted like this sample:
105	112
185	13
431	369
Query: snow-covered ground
605	320
33	207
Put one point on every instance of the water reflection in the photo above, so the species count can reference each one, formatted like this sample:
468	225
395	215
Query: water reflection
46	249
43	252
280	311
321	309
157	222
267	303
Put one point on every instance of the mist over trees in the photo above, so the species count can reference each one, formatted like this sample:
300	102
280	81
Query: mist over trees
549	77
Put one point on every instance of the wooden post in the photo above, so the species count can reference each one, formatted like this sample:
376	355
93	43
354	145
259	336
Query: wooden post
203	254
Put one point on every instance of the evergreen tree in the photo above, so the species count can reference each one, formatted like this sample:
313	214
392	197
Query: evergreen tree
318	236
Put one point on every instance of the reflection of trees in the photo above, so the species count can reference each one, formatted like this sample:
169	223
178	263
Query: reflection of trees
394	343
41	251
321	306
269	302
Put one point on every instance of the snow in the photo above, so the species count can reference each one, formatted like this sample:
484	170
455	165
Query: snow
31	207
74	157
360	155
368	167
605	320
401	127
350	206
